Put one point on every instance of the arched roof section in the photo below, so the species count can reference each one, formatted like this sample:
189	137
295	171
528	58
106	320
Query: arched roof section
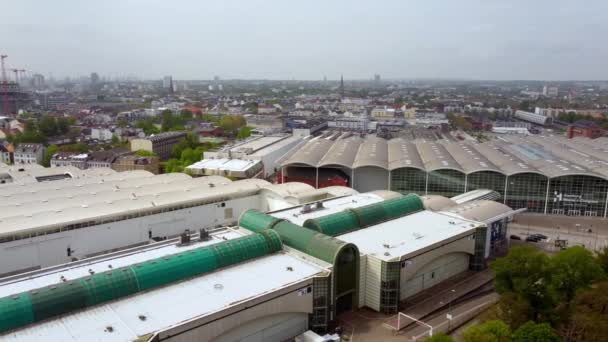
403	154
544	161
436	202
311	153
372	152
343	152
470	159
559	148
291	189
507	162
435	157
480	210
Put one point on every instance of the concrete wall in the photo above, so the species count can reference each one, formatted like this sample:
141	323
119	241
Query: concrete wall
370	178
372	283
455	253
141	144
51	249
266	318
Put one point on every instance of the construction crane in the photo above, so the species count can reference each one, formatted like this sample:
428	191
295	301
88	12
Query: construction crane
16	71
4	83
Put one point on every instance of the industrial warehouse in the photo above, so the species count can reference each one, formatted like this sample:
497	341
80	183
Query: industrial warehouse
297	259
49	223
545	174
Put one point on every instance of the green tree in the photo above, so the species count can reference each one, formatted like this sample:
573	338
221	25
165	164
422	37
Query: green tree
173	165
513	309
244	133
122	123
525	271
210	118
535	332
50	151
185	114
490	331
144	153
573	269
63	125
148	125
589	321
115	140
439	338
47	126
602	259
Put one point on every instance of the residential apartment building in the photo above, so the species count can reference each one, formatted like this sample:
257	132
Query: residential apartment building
134	162
161	144
6	154
29	153
584	128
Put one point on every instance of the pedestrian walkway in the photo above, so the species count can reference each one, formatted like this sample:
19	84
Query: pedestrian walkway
439	296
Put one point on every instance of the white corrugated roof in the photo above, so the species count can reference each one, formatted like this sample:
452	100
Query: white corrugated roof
393	239
165	306
330	206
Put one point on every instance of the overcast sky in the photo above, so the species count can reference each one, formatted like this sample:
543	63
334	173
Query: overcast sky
307	39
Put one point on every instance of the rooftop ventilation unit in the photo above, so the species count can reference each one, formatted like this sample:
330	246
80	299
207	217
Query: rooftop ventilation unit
203	235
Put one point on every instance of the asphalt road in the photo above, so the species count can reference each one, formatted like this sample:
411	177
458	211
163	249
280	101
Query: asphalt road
592	241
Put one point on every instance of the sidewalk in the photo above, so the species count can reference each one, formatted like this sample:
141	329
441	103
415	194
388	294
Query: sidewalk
440	296
461	314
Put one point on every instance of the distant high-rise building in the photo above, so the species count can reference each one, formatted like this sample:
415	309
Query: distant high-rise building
377	78
94	78
168	82
342	85
324	78
38	81
216	79
550	91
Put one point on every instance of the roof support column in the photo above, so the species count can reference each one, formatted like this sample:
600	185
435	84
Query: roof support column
606	205
547	195
504	199
466	179
282	175
352	178
426	184
389	180
317	177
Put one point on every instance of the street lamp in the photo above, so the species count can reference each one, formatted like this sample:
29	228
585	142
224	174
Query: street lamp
449	315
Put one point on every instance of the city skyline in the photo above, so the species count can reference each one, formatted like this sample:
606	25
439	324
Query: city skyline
276	40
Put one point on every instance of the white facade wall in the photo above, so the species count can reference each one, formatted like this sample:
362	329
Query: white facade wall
373	279
271	159
51	249
279	316
444	261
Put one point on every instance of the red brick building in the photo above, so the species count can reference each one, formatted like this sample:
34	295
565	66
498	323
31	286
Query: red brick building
584	128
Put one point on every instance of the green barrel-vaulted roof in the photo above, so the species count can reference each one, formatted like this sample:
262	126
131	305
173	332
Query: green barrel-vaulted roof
257	221
334	224
36	305
401	206
313	243
356	218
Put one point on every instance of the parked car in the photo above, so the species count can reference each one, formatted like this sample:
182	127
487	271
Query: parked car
533	238
540	236
514	237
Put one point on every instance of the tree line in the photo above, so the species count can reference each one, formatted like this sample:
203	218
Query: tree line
559	298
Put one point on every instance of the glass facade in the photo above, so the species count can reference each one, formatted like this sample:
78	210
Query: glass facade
445	182
486	180
527	190
408	180
389	288
320	311
577	195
